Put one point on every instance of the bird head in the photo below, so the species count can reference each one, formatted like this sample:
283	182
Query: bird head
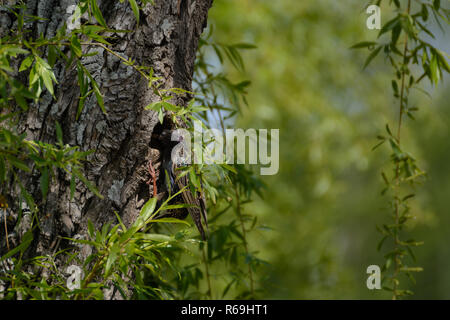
167	138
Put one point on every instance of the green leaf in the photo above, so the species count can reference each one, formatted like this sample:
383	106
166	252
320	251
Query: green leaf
388	130
97	92
2	170
155	237
27	196
99	97
26	63
193	178
160	116
88	184
97	13
363	44
229	168
135	9
75	46
373	54
21	102
52	55
199	109
26	241
409	196
45	73
245	46
388	263
407	25
410	269
177	206
81	78
90	229
227	288
436	4
395	88
378	145
157	105
47	80
442	60
411	253
169	220
34	75
396	34
112	257
380	244
170	106
389	26
218	53
148	208
124	228
17	163
424	12
434	69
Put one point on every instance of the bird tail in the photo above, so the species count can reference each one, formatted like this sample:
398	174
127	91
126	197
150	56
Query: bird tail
197	211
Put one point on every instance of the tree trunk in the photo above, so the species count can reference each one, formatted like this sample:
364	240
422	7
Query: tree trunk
166	39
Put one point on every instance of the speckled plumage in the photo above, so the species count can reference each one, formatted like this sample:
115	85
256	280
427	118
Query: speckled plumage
197	210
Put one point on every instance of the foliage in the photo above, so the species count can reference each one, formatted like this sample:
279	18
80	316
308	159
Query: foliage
431	62
323	204
136	263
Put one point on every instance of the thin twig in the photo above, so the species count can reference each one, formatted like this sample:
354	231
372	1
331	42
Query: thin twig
6	229
152	172
208	277
244	235
397	169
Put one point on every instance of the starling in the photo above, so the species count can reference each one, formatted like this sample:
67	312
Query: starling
196	200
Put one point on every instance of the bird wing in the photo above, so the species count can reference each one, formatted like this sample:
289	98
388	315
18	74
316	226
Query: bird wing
198	208
202	201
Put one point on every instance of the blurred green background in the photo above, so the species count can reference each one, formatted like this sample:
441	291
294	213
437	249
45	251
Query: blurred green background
324	204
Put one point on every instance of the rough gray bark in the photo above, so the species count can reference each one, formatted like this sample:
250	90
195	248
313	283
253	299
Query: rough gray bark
166	39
